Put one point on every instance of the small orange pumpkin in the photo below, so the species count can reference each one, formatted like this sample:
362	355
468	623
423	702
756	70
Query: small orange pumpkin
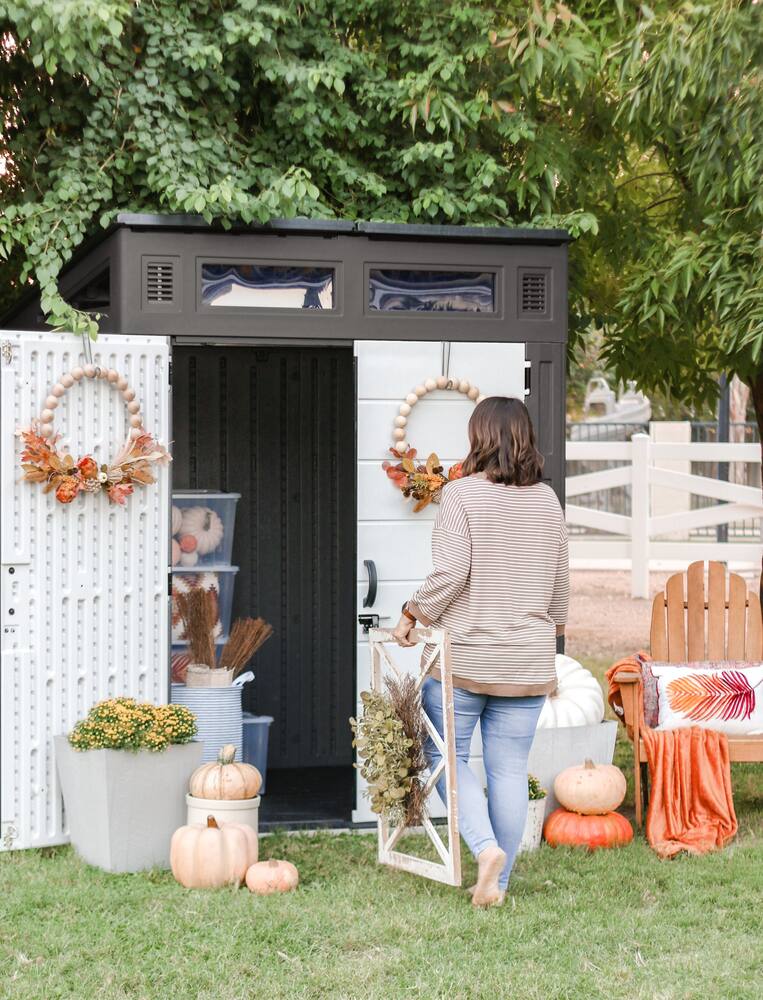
207	857
569	829
271	876
225	779
591	789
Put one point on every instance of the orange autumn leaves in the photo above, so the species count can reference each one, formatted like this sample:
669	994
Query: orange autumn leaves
44	463
423	483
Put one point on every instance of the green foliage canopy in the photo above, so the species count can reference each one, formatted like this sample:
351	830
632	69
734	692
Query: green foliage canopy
636	127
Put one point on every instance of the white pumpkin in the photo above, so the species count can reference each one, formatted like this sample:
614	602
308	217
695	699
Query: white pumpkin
206	527
177	519
578	699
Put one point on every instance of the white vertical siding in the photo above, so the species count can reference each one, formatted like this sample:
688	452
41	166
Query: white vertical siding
87	582
389	533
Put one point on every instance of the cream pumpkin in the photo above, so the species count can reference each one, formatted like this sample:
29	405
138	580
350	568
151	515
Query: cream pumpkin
225	779
207	857
577	699
206	527
271	876
591	789
177	519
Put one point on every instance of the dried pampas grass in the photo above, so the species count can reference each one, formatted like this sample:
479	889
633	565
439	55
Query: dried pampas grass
246	637
198	610
406	702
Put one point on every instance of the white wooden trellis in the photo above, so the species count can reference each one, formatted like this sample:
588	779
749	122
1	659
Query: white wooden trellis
448	870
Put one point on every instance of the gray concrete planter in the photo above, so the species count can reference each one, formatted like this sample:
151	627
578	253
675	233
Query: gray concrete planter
555	749
123	807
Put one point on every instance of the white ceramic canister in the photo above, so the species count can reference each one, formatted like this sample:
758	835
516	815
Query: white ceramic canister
224	810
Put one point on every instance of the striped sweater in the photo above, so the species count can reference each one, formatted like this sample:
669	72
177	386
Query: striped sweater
500	584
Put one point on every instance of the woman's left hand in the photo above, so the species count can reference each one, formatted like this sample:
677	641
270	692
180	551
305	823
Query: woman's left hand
402	631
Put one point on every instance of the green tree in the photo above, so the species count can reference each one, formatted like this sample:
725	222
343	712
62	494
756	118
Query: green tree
691	100
445	112
638	128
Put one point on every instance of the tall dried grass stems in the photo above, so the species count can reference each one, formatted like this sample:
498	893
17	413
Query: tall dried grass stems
406	702
198	609
246	637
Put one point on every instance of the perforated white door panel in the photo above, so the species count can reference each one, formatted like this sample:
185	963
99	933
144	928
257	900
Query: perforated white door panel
83	586
389	533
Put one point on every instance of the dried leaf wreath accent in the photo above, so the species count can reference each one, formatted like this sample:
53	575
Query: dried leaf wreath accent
389	737
423	483
44	462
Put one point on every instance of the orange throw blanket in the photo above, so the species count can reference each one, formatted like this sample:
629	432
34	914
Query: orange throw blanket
690	806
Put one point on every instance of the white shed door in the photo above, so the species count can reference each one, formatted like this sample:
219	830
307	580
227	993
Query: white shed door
83	586
389	533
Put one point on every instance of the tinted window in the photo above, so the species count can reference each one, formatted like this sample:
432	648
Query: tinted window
431	291
267	286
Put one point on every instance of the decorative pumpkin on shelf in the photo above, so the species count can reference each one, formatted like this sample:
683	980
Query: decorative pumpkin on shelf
225	779
577	699
205	525
177	519
591	789
271	876
211	856
569	829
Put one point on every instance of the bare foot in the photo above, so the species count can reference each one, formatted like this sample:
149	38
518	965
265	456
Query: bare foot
490	865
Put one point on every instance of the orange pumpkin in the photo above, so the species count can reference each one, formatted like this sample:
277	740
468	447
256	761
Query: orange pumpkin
207	857
569	829
225	779
271	876
591	789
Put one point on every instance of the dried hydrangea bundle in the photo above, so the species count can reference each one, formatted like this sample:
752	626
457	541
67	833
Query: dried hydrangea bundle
388	738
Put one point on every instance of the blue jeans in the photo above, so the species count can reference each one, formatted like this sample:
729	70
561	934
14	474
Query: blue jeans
508	726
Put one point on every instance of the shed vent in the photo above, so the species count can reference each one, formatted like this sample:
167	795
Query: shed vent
159	281
533	293
160	278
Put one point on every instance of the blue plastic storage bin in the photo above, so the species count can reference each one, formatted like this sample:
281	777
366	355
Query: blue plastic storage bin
256	729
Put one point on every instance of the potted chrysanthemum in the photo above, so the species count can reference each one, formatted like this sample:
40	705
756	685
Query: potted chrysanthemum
536	809
124	770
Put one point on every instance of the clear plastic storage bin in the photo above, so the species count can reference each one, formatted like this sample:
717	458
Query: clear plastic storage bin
202	528
220	580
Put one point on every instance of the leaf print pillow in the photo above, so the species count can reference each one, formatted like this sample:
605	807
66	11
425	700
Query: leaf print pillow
726	699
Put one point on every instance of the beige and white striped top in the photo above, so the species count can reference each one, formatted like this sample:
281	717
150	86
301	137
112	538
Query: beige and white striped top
500	584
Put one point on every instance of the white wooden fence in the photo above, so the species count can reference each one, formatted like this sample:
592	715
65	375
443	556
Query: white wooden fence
640	537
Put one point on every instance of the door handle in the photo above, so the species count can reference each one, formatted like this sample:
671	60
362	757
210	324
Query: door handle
373	579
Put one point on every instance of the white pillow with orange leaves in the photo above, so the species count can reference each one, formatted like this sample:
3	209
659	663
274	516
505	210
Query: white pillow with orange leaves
724	698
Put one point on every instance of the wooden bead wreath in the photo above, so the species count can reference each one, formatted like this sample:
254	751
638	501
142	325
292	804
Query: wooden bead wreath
43	462
423	483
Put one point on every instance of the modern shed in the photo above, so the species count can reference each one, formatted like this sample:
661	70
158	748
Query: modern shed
275	359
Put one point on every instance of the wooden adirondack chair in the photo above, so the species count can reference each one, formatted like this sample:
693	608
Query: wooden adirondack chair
734	632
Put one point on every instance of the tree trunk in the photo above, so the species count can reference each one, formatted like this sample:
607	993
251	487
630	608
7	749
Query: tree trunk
739	397
756	390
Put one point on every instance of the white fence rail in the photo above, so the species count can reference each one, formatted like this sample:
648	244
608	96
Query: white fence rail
640	537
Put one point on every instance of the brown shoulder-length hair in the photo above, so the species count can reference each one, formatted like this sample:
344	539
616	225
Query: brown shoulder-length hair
502	443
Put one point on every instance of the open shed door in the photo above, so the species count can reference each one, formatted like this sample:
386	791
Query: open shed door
83	586
390	535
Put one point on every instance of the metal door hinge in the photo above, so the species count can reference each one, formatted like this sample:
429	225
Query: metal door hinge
6	352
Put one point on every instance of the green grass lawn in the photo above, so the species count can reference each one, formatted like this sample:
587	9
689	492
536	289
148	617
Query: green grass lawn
615	924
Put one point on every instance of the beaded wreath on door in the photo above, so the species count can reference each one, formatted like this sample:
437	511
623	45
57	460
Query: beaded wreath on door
44	462
423	482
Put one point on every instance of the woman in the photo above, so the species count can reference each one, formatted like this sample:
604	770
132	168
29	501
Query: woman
500	586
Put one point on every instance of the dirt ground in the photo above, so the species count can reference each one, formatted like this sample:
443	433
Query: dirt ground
605	622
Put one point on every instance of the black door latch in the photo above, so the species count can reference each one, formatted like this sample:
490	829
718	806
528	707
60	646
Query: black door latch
368	622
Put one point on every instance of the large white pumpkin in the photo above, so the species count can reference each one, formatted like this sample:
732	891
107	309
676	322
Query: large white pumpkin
578	699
